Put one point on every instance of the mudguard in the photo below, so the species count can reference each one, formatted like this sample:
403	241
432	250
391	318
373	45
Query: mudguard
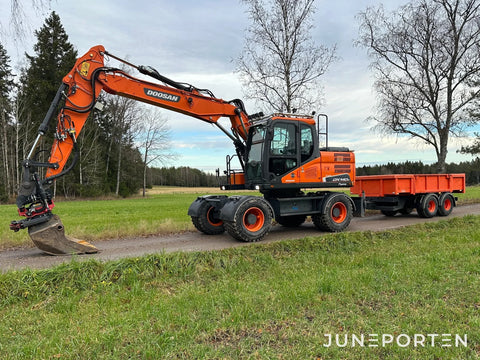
230	208
215	200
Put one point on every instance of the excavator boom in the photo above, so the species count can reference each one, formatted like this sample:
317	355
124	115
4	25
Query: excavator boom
80	89
89	77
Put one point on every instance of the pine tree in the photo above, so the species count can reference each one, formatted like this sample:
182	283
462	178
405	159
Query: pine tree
54	57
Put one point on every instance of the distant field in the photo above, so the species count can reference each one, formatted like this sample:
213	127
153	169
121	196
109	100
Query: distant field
164	210
156	190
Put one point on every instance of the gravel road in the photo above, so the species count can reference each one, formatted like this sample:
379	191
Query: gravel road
16	259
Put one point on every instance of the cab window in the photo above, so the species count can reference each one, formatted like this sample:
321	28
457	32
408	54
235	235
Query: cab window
306	139
284	140
283	148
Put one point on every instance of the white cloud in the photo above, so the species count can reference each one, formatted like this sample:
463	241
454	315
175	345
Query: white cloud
195	42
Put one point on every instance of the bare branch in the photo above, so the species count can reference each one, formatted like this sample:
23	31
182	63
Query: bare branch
281	65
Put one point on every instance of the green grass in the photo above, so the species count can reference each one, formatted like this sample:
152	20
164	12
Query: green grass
471	195
107	219
265	301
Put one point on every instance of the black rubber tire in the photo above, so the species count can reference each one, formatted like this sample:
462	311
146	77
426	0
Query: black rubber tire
427	206
406	211
206	222
291	221
252	220
337	215
389	213
446	202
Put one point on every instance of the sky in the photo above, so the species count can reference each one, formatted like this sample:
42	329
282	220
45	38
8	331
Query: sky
197	42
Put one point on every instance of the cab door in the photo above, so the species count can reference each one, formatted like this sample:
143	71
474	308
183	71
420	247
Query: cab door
283	150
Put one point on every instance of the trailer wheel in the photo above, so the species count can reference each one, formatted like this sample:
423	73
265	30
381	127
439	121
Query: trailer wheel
291	221
207	222
252	220
337	215
427	207
445	204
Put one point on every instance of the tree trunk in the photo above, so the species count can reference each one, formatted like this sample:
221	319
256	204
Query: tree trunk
108	155
442	154
145	172
17	153
80	173
117	189
5	153
144	180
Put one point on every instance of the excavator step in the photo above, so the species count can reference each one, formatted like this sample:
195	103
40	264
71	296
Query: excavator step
50	238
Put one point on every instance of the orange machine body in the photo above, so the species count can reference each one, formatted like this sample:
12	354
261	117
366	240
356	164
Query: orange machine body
329	167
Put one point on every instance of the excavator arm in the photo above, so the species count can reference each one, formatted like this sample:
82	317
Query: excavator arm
89	77
80	90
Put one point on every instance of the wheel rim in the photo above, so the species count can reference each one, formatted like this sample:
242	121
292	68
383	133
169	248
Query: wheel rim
253	219
211	219
339	212
447	204
432	206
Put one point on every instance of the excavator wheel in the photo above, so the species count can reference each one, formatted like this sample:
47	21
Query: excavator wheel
206	221
50	238
252	220
337	214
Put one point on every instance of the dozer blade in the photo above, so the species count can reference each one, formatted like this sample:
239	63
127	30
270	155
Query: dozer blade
50	237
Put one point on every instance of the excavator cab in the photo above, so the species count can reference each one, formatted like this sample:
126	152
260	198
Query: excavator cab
282	152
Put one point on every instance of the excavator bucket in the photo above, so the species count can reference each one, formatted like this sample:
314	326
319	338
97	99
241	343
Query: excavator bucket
50	237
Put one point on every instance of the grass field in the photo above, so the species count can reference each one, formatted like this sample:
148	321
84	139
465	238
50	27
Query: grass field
472	195
265	301
164	210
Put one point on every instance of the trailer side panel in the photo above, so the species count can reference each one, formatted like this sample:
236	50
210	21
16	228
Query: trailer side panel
388	185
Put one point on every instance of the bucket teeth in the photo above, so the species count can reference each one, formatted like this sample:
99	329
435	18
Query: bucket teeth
50	238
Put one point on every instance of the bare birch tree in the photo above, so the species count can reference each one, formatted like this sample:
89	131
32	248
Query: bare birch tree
281	64
6	87
153	138
18	20
426	57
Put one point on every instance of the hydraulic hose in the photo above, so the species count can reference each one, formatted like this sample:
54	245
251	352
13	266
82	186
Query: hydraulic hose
76	156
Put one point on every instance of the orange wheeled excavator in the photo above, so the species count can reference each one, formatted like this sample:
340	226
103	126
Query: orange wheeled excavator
279	155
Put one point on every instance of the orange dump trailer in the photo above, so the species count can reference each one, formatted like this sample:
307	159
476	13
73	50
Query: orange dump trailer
429	194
